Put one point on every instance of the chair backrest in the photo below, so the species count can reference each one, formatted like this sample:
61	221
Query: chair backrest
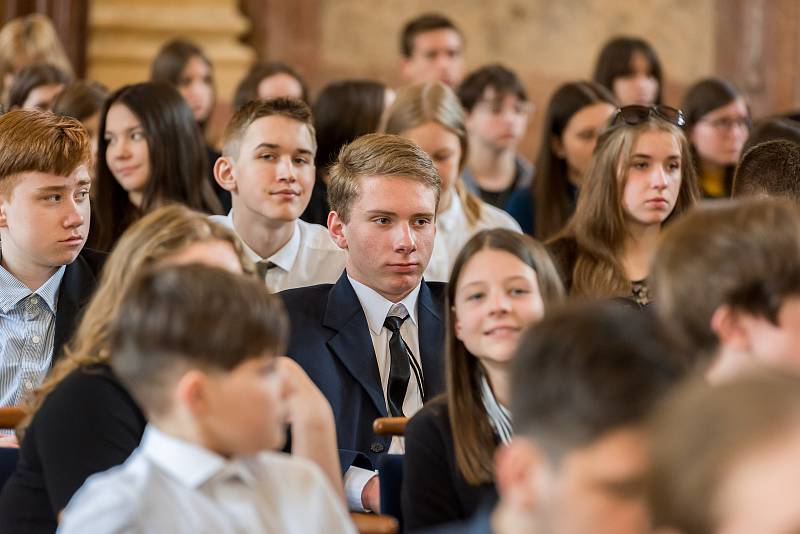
374	524
390	426
10	417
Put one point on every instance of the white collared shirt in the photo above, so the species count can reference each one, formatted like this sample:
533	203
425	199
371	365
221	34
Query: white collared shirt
171	485
310	256
376	308
453	231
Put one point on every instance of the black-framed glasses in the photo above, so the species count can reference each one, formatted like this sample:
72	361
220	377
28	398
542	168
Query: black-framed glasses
637	114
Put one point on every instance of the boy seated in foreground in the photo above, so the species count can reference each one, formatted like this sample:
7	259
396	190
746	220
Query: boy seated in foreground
209	383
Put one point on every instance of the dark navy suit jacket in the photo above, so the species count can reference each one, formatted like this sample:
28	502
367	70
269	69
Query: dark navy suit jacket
330	339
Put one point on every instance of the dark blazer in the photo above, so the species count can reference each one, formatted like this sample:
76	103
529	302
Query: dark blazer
77	287
330	339
434	490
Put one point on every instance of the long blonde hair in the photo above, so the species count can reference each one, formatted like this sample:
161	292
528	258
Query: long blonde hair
418	104
598	226
155	236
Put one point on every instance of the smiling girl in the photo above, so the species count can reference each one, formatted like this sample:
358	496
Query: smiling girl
641	176
502	282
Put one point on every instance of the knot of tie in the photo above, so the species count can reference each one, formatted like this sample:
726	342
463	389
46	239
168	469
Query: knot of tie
263	266
393	323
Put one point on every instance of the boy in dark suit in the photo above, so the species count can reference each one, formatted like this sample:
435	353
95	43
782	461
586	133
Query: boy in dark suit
44	221
372	342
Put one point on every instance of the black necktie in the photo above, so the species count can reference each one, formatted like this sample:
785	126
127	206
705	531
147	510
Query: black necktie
263	266
400	369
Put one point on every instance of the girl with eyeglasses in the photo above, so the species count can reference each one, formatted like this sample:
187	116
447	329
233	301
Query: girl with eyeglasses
717	124
641	176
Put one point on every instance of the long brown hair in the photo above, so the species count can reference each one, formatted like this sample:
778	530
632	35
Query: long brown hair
598	227
551	199
435	102
155	236
473	438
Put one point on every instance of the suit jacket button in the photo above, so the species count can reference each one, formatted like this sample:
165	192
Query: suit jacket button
377	447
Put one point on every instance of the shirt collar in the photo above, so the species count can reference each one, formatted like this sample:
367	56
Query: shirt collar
376	307
14	291
189	463
283	258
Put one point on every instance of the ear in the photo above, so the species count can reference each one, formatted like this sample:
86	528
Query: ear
457	326
336	227
405	68
193	391
728	325
3	208
557	147
223	173
520	470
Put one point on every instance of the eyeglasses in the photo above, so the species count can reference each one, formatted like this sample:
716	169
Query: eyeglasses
727	123
636	114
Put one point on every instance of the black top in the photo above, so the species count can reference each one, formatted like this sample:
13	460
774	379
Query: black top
318	208
88	423
434	490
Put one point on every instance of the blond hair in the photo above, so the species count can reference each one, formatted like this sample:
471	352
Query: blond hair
40	141
435	102
148	241
377	155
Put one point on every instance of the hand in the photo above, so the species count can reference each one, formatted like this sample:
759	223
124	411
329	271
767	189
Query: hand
9	441
371	495
306	406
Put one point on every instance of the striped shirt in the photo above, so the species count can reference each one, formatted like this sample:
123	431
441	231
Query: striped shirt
27	334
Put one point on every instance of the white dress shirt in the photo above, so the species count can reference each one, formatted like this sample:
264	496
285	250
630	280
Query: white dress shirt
170	485
453	231
376	309
310	256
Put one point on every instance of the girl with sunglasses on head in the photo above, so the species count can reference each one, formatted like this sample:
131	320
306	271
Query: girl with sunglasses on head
502	283
630	69
718	123
575	116
640	177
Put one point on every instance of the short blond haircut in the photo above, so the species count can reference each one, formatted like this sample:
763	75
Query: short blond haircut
377	155
40	141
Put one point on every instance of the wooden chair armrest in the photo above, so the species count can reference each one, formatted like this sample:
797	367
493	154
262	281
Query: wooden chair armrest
374	524
390	426
10	417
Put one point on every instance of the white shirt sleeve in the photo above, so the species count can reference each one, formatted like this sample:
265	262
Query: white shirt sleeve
354	481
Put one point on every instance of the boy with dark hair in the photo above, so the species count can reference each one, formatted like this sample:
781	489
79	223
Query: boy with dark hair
497	109
771	168
209	383
584	380
267	164
45	280
727	280
432	49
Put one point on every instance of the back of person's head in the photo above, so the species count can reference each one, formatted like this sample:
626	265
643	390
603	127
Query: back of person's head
247	90
772	129
423	23
599	225
31	77
177	159
473	437
724	457
343	111
377	155
587	370
176	319
39	141
771	168
743	255
616	61
553	206
80	99
251	111
501	80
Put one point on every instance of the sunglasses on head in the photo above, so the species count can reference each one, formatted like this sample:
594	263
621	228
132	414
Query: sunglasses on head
637	114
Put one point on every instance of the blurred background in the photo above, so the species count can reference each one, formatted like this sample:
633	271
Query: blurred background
754	43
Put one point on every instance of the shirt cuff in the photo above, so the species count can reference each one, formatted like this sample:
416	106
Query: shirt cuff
355	478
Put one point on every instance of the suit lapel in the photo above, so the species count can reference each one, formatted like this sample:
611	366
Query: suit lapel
75	291
352	343
431	341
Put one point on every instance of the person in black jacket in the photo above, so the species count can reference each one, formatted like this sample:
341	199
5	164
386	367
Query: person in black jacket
502	281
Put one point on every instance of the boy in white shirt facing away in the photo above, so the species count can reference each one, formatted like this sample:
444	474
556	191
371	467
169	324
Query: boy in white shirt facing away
267	164
197	347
